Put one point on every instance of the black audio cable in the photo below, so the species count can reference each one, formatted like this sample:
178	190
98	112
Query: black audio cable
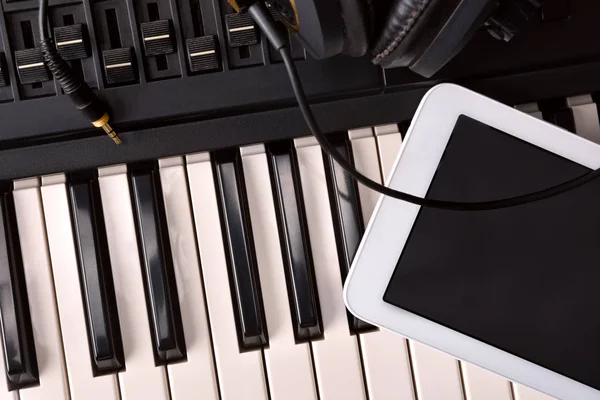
279	41
78	91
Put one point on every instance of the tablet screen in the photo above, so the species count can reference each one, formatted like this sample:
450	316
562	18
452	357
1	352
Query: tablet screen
525	279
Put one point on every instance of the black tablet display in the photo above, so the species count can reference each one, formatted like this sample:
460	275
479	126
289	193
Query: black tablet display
524	279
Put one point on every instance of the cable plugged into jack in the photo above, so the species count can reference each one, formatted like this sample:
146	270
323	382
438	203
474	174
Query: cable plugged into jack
78	91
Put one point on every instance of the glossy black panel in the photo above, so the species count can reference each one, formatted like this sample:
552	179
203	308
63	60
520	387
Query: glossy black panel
295	242
157	266
17	336
346	213
93	260
243	274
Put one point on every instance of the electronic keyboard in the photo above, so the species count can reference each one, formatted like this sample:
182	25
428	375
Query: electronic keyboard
204	258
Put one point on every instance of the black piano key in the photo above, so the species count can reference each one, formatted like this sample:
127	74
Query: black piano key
241	259
17	335
295	243
157	265
558	113
93	260
562	117
347	215
403	128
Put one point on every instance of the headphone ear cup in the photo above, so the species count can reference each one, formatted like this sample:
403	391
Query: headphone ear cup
357	18
425	34
401	29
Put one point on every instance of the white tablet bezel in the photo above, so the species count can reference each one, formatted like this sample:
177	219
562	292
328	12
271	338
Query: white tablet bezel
392	221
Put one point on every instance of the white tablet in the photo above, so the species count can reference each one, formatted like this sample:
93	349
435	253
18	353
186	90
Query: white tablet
515	291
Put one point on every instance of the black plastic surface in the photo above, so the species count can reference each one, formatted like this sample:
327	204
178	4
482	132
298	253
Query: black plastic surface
346	214
17	336
166	61
69	16
93	261
3	74
295	242
30	64
202	54
239	248
119	66
249	100
157	266
558	113
71	42
157	37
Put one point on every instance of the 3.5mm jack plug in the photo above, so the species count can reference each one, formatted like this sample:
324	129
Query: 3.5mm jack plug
79	92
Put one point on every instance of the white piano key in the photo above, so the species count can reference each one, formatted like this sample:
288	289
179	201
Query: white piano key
481	384
336	357
527	393
436	374
40	289
82	384
195	378
289	365
141	379
241	375
585	115
389	141
385	355
531	109
366	161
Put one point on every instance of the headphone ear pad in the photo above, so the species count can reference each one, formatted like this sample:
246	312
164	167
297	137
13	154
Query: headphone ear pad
401	27
357	18
425	34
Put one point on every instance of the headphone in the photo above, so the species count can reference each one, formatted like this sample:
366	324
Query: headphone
422	35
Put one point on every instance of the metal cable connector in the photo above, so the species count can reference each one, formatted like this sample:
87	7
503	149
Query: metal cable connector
102	122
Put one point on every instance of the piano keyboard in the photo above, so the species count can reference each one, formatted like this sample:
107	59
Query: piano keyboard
216	276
